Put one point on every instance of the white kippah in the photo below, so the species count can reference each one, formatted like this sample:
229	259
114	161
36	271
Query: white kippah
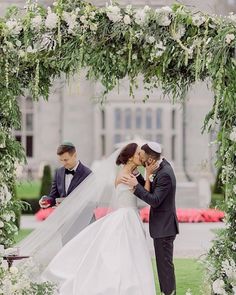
155	146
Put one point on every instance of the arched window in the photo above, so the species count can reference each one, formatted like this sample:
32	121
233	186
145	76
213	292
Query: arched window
118	118
159	118
128	119
25	133
138	118
173	147
149	119
173	119
103	119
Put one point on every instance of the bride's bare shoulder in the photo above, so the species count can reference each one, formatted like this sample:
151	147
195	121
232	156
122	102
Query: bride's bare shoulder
119	178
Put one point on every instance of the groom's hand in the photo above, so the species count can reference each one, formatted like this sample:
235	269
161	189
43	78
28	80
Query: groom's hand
131	181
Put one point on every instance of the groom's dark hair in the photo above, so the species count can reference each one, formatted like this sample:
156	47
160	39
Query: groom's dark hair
150	152
63	148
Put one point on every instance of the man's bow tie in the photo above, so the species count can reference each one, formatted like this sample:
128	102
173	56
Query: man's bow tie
67	171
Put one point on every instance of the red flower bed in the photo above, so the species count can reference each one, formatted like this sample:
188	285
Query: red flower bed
190	215
43	213
184	215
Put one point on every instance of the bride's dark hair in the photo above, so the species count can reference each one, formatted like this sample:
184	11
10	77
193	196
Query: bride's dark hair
126	153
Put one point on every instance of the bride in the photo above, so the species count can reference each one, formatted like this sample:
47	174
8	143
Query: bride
110	256
106	257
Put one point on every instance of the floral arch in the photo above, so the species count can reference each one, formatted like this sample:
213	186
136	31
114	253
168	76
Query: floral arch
168	47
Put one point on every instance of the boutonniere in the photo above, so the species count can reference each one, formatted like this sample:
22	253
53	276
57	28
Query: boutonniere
151	177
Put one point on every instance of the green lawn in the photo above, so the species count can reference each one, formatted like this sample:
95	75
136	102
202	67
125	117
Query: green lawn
189	272
22	234
189	275
28	189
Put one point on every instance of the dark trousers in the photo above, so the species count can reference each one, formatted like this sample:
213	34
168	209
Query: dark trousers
165	268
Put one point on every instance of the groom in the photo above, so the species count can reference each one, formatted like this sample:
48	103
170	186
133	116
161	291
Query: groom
68	177
163	224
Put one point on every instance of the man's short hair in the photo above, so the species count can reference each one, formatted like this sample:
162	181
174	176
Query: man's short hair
66	148
150	152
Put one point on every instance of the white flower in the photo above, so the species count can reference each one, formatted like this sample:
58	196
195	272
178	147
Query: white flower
229	38
163	16
234	188
92	15
47	42
129	9
18	43
6	217
218	287
166	9
14	270
234	290
4	265
14	27
51	20
1	224
29	49
36	22
165	21
180	31
198	19
188	292
93	27
10	251
151	39
229	269
146	8
113	13
232	135
127	19
2	251
232	16
70	19
140	16
83	19
157	51
7	193
21	53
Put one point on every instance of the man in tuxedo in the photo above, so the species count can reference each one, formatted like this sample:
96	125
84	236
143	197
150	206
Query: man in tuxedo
68	177
163	223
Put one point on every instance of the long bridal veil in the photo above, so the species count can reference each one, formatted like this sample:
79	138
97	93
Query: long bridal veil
73	214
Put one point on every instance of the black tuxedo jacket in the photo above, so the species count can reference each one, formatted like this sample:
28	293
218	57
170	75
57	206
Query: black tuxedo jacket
163	219
58	185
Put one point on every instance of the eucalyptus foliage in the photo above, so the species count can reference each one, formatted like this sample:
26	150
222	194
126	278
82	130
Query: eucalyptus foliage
169	47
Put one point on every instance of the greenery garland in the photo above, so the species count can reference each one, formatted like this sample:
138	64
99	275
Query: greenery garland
169	47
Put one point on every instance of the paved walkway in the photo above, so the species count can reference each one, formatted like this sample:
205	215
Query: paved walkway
193	241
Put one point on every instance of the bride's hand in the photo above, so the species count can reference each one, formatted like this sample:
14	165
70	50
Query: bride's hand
131	180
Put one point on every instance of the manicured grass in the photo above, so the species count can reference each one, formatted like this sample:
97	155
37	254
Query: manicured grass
22	234
189	275
28	189
216	200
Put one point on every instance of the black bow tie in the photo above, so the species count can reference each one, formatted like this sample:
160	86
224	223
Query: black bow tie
67	171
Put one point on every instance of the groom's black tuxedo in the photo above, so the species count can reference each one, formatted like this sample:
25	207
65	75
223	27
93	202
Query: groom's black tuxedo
163	223
58	189
163	220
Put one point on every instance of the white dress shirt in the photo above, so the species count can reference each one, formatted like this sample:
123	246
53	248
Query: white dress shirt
68	177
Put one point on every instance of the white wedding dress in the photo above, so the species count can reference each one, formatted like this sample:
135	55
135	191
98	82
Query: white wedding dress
109	257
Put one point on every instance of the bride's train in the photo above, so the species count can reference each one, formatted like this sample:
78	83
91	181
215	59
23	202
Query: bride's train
109	257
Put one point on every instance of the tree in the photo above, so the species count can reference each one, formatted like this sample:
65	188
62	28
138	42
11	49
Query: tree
46	181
